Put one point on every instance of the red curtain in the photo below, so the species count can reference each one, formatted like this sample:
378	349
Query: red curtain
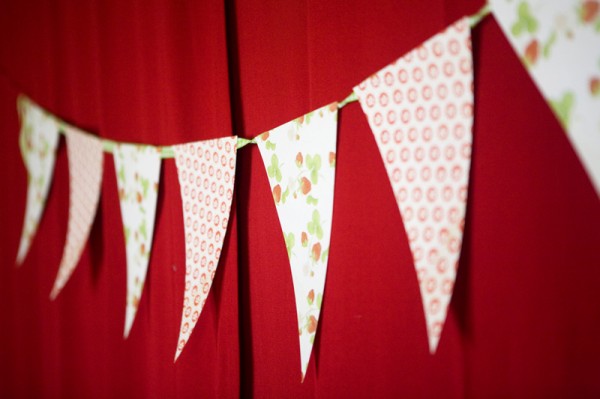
525	317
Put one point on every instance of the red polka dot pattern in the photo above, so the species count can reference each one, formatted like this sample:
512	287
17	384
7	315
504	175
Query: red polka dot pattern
420	109
206	171
85	177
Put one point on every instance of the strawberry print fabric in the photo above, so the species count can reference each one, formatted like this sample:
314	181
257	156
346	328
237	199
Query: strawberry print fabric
420	109
39	139
206	172
299	158
559	44
85	177
138	169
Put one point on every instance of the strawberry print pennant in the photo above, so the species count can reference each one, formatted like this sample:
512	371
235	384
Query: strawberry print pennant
85	177
206	172
559	44
299	158
38	140
138	173
420	109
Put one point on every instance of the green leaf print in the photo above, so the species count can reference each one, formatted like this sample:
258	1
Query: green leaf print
121	174
324	255
143	229
525	21
319	300
290	241
270	145
313	163
563	108
273	171
310	200
548	45
145	187
314	226
285	194
127	234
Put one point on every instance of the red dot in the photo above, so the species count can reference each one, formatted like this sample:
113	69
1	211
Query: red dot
402	75
377	119
438	49
419	154
405	116
427	92
418	74
431	194
450	110
398	97
404	154
434	112
383	99
423	214
422	52
442	91
417	194
385	137
391	156
391	117
433	71
465	65
370	100
398	136
426	173
412	95
450	152
389	78
374	80
448	69
443	132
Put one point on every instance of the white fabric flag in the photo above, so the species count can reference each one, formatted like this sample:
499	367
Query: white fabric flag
85	178
559	44
138	174
206	171
420	109
299	158
38	141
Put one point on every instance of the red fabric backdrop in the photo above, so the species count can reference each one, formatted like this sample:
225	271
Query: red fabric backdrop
525	317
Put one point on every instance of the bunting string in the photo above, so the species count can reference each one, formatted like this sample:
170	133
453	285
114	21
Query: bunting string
420	109
167	152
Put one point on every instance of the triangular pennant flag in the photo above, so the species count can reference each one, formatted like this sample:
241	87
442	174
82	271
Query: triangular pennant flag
38	140
85	177
206	171
299	158
420	109
559	43
138	174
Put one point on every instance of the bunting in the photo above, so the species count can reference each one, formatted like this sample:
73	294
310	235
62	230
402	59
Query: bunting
138	169
559	44
206	172
299	158
38	141
85	177
420	109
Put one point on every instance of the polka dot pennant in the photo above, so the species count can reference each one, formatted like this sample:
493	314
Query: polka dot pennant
420	109
138	173
206	172
299	158
39	139
85	177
